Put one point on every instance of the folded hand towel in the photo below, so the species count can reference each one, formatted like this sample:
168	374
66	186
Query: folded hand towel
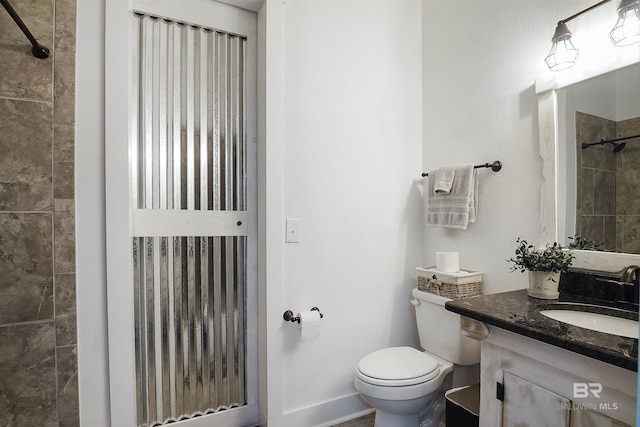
473	202
456	209
443	178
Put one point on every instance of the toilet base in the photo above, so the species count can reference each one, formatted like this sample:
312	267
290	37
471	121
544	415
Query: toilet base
425	411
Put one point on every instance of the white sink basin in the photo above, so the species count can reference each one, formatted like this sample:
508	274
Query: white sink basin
595	322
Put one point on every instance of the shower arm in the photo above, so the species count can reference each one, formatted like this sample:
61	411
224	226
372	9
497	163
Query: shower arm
37	50
609	141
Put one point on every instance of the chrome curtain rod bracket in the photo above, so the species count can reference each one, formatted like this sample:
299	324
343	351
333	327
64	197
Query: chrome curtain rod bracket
38	50
495	166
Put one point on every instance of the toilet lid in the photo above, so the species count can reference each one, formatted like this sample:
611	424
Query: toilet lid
397	363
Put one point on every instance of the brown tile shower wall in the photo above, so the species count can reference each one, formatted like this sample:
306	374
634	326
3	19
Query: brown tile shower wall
38	354
608	210
627	184
596	180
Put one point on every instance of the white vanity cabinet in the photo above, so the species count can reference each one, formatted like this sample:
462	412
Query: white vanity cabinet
527	401
525	382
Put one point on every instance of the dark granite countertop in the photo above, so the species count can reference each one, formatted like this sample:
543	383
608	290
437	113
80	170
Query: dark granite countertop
515	311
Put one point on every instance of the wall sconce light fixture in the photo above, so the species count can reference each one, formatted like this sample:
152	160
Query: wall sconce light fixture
563	53
627	30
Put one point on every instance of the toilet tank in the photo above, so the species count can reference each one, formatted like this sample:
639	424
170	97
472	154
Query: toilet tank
439	330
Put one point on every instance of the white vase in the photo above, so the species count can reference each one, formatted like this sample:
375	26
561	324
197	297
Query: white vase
543	285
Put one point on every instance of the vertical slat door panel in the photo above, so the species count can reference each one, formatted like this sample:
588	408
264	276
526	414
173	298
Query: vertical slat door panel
189	154
190	319
191	126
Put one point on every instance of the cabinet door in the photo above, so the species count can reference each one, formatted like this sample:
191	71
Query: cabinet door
585	417
527	404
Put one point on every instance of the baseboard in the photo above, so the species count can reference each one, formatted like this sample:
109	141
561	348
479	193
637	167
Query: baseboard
324	414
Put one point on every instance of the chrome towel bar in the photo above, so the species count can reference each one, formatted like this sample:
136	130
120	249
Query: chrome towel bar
495	166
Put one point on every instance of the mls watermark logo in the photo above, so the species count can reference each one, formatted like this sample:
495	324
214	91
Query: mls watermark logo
584	390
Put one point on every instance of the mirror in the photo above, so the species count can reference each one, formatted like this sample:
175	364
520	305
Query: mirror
597	183
554	216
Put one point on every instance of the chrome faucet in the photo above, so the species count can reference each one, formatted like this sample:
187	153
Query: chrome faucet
630	278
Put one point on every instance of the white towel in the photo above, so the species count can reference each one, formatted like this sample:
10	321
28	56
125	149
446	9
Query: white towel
458	208
473	202
443	179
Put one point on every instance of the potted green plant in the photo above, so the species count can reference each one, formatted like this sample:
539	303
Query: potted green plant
584	244
544	266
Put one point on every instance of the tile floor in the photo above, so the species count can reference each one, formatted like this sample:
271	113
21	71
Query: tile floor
366	421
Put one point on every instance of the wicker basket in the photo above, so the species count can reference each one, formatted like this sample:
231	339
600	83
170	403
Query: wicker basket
449	290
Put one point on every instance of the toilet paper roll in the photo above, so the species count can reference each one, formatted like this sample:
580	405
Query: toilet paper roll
447	262
309	324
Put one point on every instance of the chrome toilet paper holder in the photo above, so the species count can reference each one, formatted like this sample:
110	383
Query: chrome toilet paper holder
289	317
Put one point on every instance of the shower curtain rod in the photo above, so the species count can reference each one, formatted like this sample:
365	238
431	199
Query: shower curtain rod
608	141
37	50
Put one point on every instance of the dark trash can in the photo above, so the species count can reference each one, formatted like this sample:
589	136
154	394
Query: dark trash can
463	406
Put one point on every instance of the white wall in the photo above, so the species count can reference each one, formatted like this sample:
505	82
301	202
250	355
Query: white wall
628	93
479	68
595	96
352	144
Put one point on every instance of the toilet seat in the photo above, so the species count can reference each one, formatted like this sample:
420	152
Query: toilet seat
397	367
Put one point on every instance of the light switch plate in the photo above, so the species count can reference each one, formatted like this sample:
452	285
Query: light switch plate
293	230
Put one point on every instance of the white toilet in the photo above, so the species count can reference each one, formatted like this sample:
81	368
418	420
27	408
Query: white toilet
401	382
